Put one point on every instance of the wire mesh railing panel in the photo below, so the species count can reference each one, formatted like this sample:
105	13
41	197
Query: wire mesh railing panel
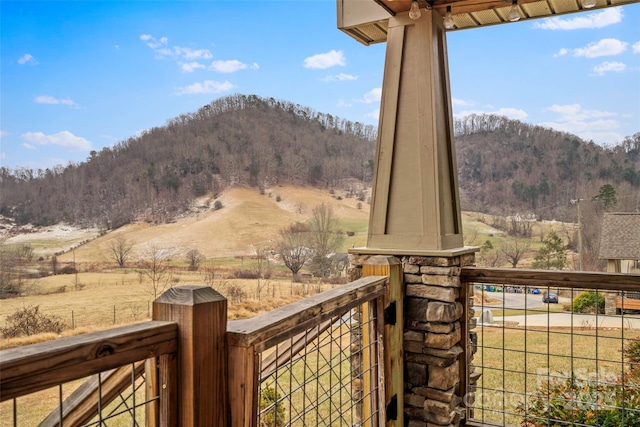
114	398
325	376
555	356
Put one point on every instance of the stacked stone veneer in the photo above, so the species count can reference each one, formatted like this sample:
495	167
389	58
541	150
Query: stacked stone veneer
433	342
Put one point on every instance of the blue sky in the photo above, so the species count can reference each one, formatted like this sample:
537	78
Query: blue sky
79	76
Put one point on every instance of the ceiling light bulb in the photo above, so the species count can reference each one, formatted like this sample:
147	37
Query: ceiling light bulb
514	14
588	4
414	12
448	20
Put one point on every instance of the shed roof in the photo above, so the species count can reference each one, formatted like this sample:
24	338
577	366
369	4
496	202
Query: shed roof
620	236
367	20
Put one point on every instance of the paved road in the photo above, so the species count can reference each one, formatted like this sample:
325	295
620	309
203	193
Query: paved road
530	301
575	320
512	300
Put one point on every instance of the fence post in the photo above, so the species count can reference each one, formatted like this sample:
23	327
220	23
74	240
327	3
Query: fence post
196	381
243	385
393	333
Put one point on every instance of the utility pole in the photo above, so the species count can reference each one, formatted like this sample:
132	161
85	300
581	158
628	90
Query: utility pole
577	202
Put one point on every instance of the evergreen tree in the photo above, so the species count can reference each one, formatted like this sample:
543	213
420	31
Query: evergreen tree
551	255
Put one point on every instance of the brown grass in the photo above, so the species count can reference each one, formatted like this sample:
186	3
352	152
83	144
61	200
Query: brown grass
247	220
518	361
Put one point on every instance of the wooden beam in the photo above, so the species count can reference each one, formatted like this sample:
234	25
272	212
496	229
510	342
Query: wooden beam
543	278
243	386
458	6
393	334
268	329
82	405
35	367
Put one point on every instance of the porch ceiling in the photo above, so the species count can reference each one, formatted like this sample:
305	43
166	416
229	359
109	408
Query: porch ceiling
372	28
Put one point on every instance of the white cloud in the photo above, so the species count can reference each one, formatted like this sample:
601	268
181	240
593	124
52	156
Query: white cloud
372	96
606	67
162	50
575	112
208	86
342	103
636	47
592	20
188	53
189	67
63	139
152	42
28	146
325	60
230	66
593	125
562	52
375	114
46	99
27	58
605	47
339	77
3	133
456	102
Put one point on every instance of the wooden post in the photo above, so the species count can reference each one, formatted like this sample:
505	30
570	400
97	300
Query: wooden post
393	351
196	381
151	391
243	385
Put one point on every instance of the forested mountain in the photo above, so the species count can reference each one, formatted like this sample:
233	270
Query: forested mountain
238	139
505	166
516	170
509	166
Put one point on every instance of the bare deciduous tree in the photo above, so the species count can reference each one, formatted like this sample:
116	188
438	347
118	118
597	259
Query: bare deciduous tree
292	247
120	250
514	252
194	258
155	267
324	238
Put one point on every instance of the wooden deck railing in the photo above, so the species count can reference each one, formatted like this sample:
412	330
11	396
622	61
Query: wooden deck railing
200	371
259	346
526	348
32	368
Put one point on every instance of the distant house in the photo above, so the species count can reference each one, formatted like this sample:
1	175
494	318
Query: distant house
620	241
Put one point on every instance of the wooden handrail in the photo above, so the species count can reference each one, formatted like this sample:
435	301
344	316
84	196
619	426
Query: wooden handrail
543	278
266	330
35	367
247	338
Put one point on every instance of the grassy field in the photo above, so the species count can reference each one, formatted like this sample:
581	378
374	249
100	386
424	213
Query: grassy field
101	296
517	362
229	239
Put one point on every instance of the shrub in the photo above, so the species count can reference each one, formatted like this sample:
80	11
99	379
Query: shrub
588	302
236	294
272	412
29	320
571	401
246	274
632	353
217	205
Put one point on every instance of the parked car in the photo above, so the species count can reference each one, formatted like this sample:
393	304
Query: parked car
550	298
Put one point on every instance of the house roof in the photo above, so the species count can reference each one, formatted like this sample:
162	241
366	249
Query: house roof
367	20
620	236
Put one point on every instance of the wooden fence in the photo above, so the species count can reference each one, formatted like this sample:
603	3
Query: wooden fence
199	370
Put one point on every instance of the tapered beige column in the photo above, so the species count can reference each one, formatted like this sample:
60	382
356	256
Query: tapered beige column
415	205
